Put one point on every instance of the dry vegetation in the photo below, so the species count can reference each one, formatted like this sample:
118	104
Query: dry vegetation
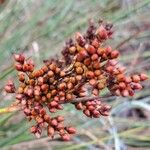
39	29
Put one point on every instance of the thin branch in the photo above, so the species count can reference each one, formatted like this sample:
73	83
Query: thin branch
127	40
14	108
9	109
84	99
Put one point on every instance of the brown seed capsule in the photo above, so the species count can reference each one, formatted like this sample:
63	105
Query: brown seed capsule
82	94
131	92
36	92
87	113
82	55
39	120
69	96
48	95
79	106
51	80
42	111
79	57
38	73
69	85
102	33
21	77
79	70
91	108
32	82
120	77
77	64
47	118
62	132
136	78
104	113
87	61
80	39
18	67
100	51
56	98
20	90
60	118
128	79
53	92
108	50
97	72
96	65
40	80
30	67
25	67
93	82
94	57
19	96
57	70
137	86
90	49
44	68
52	67
9	89
60	107
30	92
50	131
78	77
71	130
72	50
61	93
66	79
125	93
66	137
53	104
122	85
27	111
54	122
52	110
143	77
114	54
95	92
90	74
60	126
43	99
116	72
62	74
104	56
62	86
19	58
33	129
95	113
95	43
50	73
44	87
110	69
73	80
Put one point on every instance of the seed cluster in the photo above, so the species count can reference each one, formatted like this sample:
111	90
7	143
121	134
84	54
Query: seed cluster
83	70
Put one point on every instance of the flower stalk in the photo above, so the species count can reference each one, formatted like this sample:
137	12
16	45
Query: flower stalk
9	109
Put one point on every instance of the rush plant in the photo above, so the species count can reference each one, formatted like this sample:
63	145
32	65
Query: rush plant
85	67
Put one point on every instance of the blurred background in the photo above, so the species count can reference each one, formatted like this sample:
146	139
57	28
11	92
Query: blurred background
39	28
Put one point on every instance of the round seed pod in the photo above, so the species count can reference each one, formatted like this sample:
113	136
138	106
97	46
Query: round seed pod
72	50
79	70
90	74
50	73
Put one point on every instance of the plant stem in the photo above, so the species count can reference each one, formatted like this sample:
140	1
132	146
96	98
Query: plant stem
9	109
